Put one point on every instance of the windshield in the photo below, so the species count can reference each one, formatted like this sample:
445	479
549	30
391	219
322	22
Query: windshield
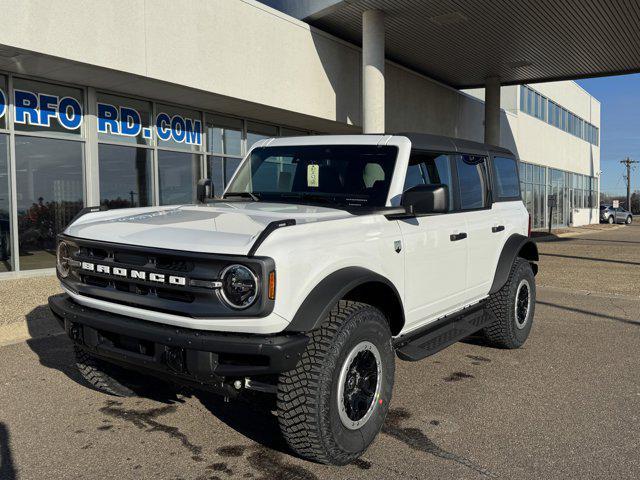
343	175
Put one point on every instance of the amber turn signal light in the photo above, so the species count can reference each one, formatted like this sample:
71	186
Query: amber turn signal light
272	286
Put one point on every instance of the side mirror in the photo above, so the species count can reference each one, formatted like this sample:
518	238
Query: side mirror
204	190
424	199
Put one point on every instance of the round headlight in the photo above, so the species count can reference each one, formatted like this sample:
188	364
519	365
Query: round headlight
62	259
240	286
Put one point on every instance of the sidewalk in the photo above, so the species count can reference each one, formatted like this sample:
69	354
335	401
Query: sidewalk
545	236
24	312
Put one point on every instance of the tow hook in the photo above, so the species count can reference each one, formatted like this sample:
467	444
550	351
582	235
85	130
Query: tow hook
75	332
175	359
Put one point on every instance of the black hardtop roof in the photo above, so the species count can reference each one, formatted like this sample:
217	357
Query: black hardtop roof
426	141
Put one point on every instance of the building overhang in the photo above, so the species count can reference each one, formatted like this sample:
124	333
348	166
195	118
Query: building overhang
462	43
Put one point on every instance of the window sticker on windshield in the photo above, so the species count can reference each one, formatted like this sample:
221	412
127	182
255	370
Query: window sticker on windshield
313	175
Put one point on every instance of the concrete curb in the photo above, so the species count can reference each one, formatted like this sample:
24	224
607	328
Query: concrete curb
22	331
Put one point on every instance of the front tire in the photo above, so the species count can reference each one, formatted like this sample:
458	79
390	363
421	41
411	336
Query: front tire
512	308
611	220
333	404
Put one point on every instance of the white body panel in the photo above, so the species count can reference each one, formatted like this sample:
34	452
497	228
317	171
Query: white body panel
433	275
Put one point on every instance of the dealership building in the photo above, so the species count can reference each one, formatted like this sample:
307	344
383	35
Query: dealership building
129	103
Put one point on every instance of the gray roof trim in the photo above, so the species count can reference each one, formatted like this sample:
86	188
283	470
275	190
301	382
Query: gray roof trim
426	141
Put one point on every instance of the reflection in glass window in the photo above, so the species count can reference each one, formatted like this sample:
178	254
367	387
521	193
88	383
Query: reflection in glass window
4	102
5	217
47	107
425	168
216	174
259	131
125	176
506	176
124	120
49	193
178	173
178	128
224	135
230	167
472	181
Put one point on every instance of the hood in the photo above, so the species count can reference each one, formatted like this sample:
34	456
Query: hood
227	228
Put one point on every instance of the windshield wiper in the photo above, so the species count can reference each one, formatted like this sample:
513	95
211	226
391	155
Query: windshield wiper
250	195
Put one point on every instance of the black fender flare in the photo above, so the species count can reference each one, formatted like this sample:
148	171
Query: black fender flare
516	245
328	292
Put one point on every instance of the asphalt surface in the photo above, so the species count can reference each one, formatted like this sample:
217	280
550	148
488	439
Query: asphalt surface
567	405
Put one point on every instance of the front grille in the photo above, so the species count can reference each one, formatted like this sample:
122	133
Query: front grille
185	288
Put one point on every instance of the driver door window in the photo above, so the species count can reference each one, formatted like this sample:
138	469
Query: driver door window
430	169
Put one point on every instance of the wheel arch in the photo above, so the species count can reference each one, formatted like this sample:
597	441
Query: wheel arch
515	246
351	283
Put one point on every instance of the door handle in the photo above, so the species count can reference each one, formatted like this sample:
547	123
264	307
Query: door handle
454	237
497	229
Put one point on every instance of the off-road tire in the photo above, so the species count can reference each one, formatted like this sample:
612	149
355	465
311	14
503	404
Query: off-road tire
101	375
503	332
611	220
307	402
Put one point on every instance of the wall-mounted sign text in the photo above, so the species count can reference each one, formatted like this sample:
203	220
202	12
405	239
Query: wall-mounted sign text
128	122
42	108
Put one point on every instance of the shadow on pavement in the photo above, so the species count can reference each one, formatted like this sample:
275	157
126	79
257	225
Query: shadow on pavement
7	469
589	313
623	262
56	352
250	416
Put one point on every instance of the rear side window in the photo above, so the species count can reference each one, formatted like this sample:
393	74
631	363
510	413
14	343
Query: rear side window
505	173
430	169
472	181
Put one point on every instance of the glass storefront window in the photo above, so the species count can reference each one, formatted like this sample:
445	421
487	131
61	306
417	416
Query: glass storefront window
45	107
4	101
230	167
49	194
224	135
293	132
216	174
178	128
124	120
259	131
125	176
5	212
178	174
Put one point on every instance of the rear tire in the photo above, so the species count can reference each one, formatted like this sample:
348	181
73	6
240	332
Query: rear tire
103	376
629	220
512	308
334	403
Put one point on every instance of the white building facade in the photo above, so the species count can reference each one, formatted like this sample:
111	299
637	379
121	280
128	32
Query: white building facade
133	109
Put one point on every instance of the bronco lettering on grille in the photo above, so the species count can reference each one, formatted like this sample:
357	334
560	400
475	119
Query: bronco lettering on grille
134	274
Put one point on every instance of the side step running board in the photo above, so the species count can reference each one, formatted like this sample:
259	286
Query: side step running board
442	333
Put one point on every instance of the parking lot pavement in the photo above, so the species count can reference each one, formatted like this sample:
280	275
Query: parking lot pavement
567	405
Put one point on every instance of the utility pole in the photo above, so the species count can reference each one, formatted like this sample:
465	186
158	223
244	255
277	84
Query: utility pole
628	162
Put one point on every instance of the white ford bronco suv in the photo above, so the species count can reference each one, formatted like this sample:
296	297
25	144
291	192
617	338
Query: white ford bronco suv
325	257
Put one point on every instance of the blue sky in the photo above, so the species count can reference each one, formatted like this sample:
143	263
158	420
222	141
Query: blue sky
620	128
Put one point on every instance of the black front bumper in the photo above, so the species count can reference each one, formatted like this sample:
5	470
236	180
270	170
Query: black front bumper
194	356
